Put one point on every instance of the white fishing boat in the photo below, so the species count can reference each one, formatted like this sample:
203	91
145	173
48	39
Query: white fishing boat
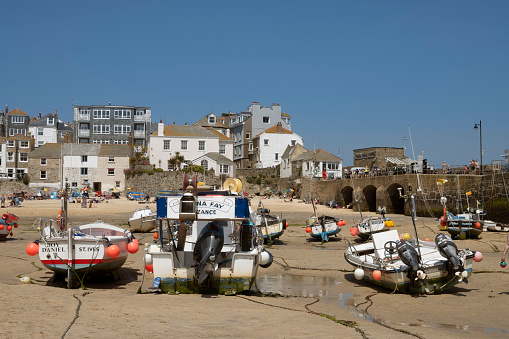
143	220
323	227
214	249
271	226
412	266
7	223
74	252
371	225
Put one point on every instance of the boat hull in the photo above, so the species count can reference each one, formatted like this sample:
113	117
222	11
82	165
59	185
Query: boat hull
371	226
456	226
328	229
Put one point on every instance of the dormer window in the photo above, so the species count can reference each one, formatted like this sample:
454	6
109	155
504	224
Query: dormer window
212	119
51	121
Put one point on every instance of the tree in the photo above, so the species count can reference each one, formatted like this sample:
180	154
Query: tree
176	161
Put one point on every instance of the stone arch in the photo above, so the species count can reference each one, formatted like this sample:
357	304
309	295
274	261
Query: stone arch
347	194
370	196
396	204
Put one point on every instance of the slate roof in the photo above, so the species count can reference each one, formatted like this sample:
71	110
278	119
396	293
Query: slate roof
48	150
218	158
204	122
186	131
43	122
81	149
318	155
219	134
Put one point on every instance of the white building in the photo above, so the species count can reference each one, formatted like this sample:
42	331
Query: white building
191	142
316	164
288	166
50	129
270	145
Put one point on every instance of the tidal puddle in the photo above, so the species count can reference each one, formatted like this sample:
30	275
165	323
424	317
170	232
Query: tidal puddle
329	291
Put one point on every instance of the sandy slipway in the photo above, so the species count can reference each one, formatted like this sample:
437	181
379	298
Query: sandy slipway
314	292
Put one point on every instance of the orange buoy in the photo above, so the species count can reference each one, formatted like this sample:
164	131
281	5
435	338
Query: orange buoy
156	235
477	224
150	268
9	228
32	249
2	227
308	229
113	251
132	247
354	231
377	275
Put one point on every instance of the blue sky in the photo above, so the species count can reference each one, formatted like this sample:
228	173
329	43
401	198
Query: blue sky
352	74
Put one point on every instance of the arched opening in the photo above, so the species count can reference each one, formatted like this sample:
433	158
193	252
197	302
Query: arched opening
370	195
347	193
398	203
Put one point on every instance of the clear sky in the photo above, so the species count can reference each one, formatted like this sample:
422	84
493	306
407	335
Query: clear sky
351	74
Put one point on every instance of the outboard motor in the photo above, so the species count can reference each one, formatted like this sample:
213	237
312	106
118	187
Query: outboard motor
447	248
410	257
246	235
207	248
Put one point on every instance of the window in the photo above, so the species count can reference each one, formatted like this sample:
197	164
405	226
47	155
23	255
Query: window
166	145
51	121
332	165
84	171
10	143
84	158
43	175
101	129
266	142
224	168
186	164
120	142
101	113
122	129
170	166
222	149
111	171
111	159
276	156
24	144
117	184
139	113
14	131
17	120
40	131
84	111
74	184
10	173
212	119
205	165
250	147
266	120
183	144
40	143
201	145
23	157
294	142
101	141
43	162
248	135
122	114
10	156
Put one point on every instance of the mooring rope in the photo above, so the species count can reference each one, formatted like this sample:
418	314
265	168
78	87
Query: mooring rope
75	316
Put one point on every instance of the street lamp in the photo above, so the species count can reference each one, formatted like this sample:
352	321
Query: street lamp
478	126
404	139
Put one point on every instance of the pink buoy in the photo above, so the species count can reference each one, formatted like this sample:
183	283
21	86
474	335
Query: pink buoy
478	256
113	251
377	275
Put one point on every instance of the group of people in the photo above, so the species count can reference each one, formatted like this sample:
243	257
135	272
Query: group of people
11	200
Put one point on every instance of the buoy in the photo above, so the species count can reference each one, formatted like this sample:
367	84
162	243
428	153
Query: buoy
406	236
377	275
443	221
358	273
477	224
426	239
9	228
12	234
156	236
136	242
4	216
2	227
339	223
344	222
308	229
354	231
32	249
150	268
478	256
287	224
25	280
503	264
113	251
132	247
463	235
148	259
15	225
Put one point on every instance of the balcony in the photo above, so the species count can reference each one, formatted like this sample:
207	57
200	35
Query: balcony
83	132
141	118
139	134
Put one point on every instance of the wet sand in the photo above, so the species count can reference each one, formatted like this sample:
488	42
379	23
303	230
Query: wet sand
318	284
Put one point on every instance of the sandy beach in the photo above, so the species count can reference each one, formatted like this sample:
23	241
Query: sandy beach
318	295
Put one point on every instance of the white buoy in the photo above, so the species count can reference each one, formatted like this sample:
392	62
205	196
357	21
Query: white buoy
25	280
358	273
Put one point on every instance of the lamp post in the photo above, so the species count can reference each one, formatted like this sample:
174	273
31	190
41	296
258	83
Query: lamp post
478	126
404	139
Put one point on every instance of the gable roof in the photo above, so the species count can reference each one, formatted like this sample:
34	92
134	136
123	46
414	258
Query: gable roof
219	134
204	122
16	111
186	131
283	114
218	158
273	130
48	150
291	149
318	155
19	137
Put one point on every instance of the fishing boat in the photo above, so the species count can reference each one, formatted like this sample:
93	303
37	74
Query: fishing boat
467	226
323	227
411	266
7	223
371	225
271	226
214	249
74	252
143	220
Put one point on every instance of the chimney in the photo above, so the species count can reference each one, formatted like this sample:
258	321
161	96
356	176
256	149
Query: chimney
40	116
279	128
186	123
174	122
160	128
6	109
56	117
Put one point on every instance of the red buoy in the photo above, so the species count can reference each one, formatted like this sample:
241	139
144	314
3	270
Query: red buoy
132	247
15	225
477	224
308	229
2	227
156	236
150	268
377	275
354	231
9	228
113	251
32	249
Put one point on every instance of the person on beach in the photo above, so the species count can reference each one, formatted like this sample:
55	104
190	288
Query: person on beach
2	199
505	249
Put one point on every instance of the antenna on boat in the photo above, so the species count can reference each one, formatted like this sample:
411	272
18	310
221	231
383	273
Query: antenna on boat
419	189
411	203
